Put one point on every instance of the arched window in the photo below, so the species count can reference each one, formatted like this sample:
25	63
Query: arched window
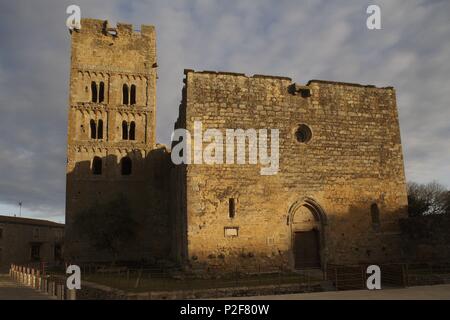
125	94
97	166
93	129
100	129
124	130
125	165
101	94
375	214
94	91
133	94
132	131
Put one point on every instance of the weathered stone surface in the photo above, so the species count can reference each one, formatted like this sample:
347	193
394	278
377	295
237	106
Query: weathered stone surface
24	240
115	57
351	161
354	160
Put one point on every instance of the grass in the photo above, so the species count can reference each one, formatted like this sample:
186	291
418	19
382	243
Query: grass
169	284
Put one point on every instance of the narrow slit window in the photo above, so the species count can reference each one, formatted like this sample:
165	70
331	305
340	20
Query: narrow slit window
231	208
100	129
124	130
101	93
125	94
93	129
375	215
132	130
133	94
94	91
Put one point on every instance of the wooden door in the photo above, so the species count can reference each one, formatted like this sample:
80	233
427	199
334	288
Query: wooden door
306	249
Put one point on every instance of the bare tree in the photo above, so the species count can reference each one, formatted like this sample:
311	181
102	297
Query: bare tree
447	203
425	199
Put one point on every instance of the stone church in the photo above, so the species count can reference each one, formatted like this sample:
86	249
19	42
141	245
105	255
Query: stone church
337	197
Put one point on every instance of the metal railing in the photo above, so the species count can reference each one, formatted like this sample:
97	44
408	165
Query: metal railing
427	273
163	281
347	277
354	277
51	279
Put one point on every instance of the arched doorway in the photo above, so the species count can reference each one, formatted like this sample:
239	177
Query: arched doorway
307	221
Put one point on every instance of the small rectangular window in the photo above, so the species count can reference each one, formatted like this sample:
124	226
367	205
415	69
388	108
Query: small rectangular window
1	233
35	252
231	231
36	233
58	235
231	208
57	252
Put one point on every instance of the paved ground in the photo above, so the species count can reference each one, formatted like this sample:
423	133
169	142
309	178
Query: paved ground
441	292
10	290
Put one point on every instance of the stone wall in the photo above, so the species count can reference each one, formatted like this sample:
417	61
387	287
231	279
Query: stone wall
426	238
352	163
19	235
114	58
345	180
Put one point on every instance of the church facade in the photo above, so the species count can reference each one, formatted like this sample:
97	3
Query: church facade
337	196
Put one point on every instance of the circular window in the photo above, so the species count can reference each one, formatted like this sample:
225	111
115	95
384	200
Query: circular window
303	134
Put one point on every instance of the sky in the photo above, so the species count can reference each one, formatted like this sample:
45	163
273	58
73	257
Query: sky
304	40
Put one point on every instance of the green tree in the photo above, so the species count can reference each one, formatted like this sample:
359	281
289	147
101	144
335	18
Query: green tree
109	226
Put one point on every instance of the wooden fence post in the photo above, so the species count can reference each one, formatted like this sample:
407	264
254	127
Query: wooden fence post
336	277
363	277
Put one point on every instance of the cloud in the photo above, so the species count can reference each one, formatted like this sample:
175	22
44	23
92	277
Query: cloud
300	39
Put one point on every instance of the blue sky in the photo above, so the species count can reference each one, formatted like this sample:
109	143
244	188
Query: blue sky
300	39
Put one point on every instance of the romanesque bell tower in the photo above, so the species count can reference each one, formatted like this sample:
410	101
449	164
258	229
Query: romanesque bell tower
111	124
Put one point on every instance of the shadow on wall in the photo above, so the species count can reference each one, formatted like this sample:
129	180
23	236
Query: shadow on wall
360	234
367	233
143	181
427	238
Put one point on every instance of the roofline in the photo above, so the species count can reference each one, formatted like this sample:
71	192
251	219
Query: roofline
30	221
186	71
347	84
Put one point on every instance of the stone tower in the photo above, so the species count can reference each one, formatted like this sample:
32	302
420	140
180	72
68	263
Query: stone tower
111	127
